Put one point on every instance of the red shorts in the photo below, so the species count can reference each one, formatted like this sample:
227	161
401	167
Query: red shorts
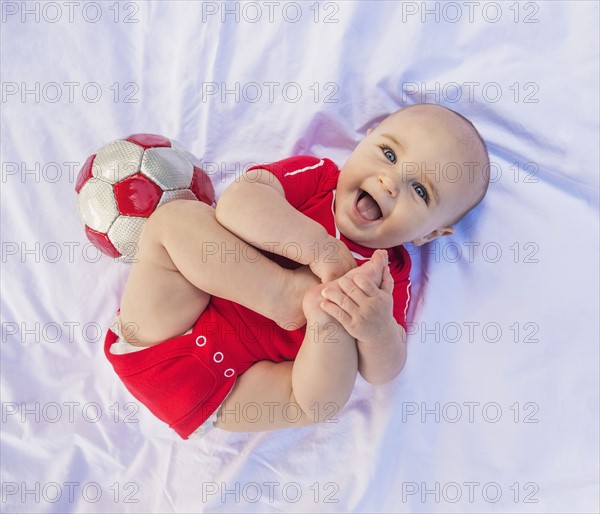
184	380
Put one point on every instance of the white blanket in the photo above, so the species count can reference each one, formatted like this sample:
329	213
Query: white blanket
497	408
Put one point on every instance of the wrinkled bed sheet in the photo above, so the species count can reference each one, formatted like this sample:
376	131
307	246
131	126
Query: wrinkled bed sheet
497	408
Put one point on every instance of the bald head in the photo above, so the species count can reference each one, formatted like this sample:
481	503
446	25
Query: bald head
467	140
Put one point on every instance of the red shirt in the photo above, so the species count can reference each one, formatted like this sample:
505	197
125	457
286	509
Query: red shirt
309	184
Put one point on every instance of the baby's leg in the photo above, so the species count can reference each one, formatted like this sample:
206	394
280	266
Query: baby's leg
325	368
311	389
184	257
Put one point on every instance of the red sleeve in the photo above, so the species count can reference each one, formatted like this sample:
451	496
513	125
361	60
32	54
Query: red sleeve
302	177
400	270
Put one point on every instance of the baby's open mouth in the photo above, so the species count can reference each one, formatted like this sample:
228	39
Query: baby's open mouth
367	207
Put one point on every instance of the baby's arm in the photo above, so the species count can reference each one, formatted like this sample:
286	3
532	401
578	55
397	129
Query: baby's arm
362	302
255	209
382	359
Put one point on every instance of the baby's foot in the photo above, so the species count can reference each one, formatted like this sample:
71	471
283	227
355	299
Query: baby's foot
289	305
372	269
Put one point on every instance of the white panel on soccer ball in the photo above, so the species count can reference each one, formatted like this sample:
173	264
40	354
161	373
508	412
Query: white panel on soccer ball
97	205
178	146
125	234
180	194
168	167
117	160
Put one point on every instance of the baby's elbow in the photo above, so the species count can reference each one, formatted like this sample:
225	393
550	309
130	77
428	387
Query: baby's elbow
223	200
317	412
378	379
327	412
232	200
225	205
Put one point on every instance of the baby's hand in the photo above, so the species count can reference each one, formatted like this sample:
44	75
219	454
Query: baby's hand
332	259
361	300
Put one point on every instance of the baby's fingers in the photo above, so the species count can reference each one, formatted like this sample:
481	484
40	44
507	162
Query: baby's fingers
366	284
387	284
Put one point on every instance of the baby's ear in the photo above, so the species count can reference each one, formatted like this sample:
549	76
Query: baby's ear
439	232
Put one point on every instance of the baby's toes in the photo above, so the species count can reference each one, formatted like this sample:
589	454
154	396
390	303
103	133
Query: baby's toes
372	269
368	270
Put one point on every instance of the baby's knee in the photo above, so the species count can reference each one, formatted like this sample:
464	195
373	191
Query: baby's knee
176	214
180	211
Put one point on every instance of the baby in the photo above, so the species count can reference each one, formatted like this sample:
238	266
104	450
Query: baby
254	315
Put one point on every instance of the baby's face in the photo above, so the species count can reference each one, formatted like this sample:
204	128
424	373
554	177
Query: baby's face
405	180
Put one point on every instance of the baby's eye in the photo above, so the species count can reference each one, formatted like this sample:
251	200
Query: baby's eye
422	192
389	154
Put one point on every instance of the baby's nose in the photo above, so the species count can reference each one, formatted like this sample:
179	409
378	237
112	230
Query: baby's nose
388	184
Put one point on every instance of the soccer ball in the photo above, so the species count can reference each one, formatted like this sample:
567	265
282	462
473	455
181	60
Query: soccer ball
119	187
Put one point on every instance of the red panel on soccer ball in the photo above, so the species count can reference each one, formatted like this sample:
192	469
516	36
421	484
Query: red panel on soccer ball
149	140
137	196
202	186
85	173
101	241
